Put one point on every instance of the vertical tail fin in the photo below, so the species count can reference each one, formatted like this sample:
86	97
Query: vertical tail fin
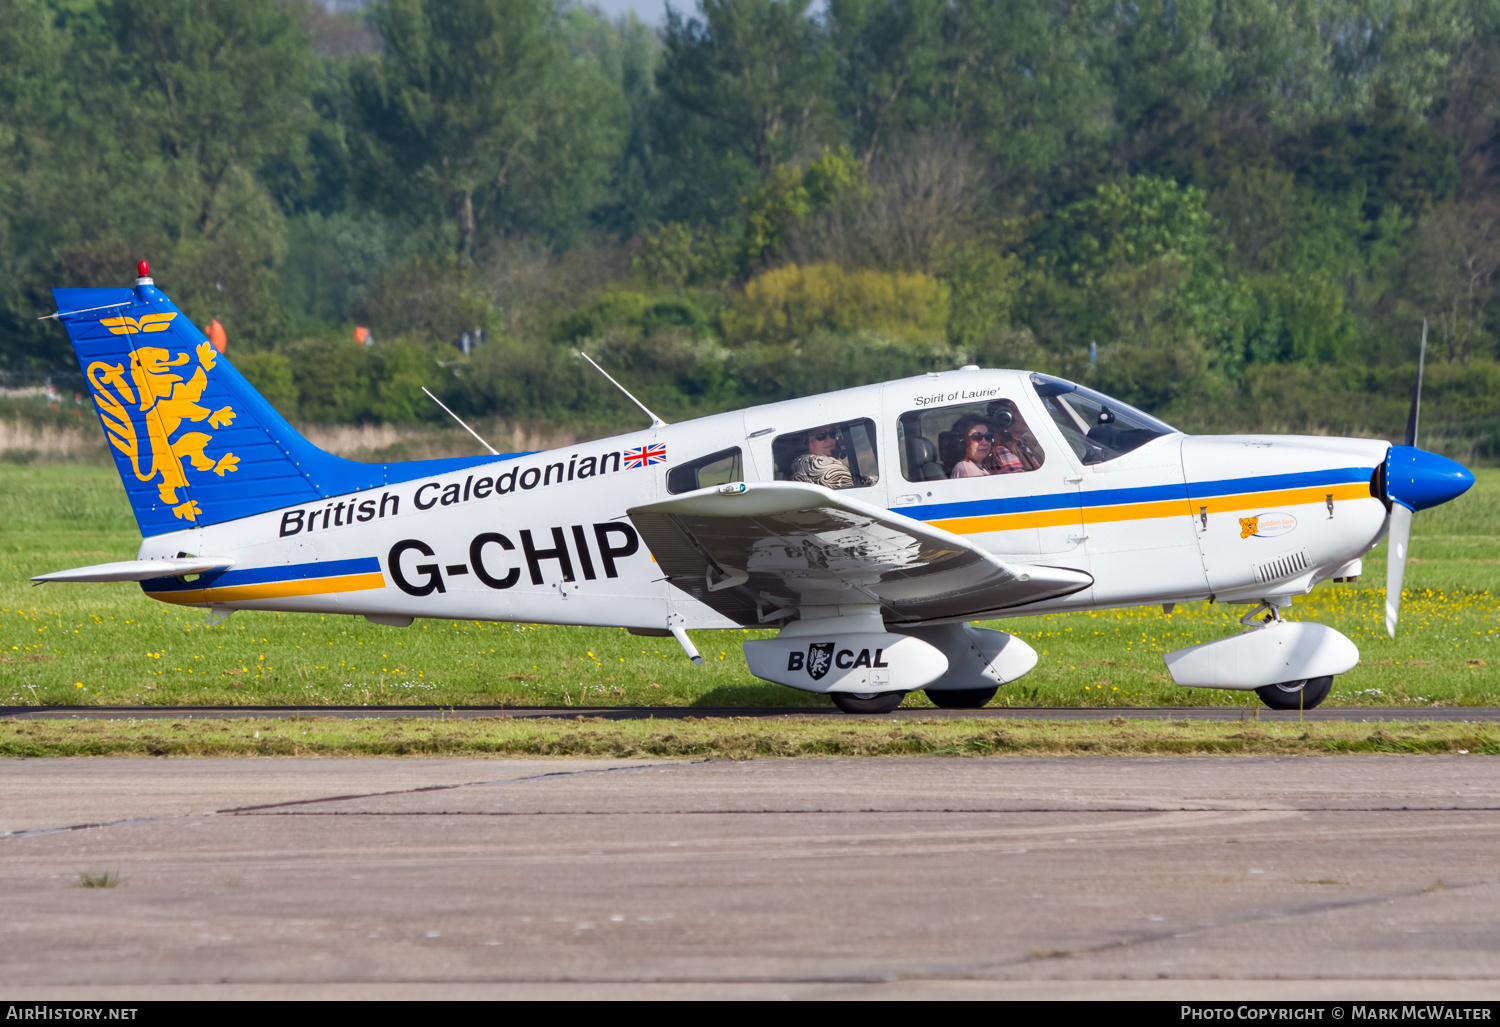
194	443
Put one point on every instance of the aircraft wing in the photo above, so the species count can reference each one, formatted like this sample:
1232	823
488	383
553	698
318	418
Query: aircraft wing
752	551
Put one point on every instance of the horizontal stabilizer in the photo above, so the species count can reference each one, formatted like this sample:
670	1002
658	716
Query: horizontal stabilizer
140	570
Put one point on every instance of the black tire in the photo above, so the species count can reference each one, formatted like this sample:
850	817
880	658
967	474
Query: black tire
961	698
1296	695
875	702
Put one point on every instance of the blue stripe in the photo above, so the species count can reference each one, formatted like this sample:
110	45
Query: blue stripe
263	575
1278	482
1145	494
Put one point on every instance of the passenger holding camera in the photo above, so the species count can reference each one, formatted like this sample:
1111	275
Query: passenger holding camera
982	454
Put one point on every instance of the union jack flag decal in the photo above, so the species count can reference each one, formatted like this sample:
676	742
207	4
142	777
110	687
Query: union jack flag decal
643	456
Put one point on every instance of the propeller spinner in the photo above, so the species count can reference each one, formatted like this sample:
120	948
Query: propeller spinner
1414	480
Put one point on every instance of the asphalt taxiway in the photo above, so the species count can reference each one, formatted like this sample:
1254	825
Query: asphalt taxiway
1265	878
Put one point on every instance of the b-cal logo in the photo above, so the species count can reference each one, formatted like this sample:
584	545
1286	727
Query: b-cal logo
1267	525
821	658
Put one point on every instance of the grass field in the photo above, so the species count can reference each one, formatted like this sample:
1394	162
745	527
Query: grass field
736	738
108	644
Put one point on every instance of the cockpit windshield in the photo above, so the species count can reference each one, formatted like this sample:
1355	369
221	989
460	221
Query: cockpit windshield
1097	427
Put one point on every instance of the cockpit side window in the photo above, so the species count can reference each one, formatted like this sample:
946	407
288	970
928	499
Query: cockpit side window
836	456
1097	428
968	440
715	469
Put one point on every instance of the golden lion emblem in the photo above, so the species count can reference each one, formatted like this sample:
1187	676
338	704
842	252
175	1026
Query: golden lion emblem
1249	526
168	401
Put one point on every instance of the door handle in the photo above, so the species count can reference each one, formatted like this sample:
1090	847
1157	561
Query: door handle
1072	481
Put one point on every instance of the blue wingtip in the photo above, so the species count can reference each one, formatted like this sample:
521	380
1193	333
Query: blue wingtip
1418	480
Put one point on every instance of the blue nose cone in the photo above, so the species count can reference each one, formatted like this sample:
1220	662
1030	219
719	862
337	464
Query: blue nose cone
1417	479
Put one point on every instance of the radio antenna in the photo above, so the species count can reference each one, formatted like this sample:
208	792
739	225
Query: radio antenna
656	422
460	421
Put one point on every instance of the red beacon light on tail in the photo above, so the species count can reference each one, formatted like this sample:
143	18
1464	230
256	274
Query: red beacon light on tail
143	273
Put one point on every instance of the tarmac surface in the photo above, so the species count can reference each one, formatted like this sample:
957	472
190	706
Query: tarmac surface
1232	878
1476	714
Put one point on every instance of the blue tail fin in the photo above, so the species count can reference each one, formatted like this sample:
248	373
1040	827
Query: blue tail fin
194	443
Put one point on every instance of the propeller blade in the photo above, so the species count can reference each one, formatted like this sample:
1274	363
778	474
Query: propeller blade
1398	540
1416	397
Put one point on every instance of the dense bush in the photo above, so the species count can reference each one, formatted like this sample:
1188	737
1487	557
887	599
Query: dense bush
791	302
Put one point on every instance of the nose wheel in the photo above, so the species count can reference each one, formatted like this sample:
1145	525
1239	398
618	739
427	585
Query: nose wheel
867	702
1304	694
960	698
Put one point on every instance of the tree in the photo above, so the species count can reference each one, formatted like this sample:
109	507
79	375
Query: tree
217	89
924	196
1021	85
892	67
1141	263
755	73
793	192
142	130
1455	266
30	51
476	108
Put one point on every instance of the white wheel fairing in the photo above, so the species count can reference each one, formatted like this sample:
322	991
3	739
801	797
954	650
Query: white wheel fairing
977	657
1281	651
863	663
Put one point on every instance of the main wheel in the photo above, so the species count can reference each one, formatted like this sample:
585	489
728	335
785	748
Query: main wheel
1296	695
961	698
867	702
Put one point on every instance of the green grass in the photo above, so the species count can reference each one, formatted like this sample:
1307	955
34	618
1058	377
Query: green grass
735	738
108	644
99	879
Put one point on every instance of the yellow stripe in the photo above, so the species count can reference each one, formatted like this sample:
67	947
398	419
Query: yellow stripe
275	589
1137	511
1009	522
1142	511
1290	497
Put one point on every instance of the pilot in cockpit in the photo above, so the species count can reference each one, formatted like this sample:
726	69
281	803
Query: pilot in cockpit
821	464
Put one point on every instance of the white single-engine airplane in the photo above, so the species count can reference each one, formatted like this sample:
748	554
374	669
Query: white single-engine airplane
869	525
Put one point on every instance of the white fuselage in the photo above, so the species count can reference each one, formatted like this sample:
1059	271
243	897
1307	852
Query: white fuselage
545	538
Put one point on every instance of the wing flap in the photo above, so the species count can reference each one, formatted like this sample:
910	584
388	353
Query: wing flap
753	550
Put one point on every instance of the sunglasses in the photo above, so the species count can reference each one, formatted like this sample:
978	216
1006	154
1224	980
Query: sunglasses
822	436
983	437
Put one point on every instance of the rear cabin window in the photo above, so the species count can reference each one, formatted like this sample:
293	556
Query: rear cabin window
968	440
715	469
836	456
